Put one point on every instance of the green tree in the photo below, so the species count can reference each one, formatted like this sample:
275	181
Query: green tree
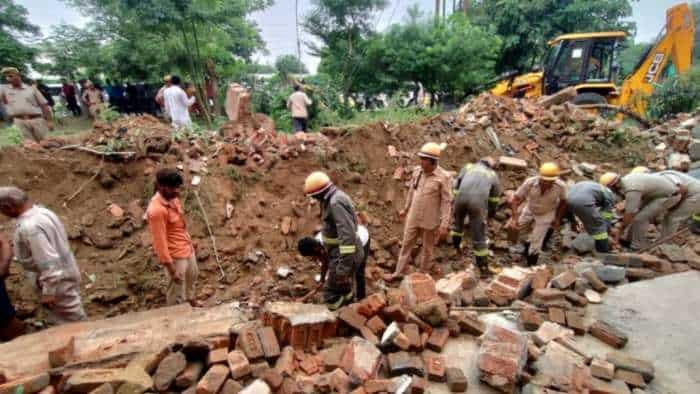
527	26
15	27
630	55
342	27
290	64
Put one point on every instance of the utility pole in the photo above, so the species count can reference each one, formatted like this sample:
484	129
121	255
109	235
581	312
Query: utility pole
444	10
465	6
296	14
437	11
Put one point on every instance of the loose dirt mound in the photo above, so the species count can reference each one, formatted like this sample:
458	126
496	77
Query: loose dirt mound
250	188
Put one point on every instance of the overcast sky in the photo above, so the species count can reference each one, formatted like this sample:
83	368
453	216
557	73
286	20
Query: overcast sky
278	28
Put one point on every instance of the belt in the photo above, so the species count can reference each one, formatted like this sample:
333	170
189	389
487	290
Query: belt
26	117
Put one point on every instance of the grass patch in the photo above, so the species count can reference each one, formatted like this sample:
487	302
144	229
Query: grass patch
9	135
391	114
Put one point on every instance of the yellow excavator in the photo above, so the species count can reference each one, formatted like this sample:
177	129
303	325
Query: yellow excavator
586	62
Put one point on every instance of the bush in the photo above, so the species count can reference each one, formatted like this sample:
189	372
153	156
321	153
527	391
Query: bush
680	93
10	136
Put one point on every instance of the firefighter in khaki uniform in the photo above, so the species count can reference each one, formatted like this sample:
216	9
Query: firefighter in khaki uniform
545	205
593	204
26	106
339	232
477	195
428	208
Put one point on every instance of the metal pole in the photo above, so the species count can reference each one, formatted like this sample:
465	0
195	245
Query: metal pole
437	10
296	14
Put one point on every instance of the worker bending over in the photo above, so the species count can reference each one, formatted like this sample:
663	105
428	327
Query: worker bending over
593	204
689	206
428	208
339	234
313	247
477	195
545	204
647	196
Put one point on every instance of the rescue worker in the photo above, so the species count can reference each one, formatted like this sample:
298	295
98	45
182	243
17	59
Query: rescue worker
545	204
313	248
695	219
647	196
160	97
26	106
593	204
10	326
477	195
41	247
689	206
640	170
93	99
427	209
339	232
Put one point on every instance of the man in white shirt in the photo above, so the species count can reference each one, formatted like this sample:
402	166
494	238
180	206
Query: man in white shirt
177	104
313	248
297	103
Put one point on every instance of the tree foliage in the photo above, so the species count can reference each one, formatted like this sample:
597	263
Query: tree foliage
630	55
526	26
14	27
290	64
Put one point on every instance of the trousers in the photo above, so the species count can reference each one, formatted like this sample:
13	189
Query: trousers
539	225
477	212
32	129
637	231
410	236
184	291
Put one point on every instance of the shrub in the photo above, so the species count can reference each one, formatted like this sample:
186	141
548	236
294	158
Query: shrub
680	93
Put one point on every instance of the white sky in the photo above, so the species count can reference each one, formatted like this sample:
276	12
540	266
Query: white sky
278	28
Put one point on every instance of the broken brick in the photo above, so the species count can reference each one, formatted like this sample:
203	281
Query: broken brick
285	362
231	387
340	381
438	339
557	315
62	355
418	385
623	361
453	327
633	379
168	369
530	319
602	369
332	357
395	313
213	379
564	280
575	298
435	368
403	363
512	162
309	365
376	324
250	343
238	364
378	386
259	368
456	381
353	319
190	375
401	341
418	288
269	343
217	356
413	334
272	378
594	281
575	322
608	334
549	331
470	324
433	312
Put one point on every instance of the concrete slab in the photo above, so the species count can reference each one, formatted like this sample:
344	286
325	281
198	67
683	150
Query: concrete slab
660	318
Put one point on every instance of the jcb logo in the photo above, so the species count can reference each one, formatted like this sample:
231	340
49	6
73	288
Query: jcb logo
654	68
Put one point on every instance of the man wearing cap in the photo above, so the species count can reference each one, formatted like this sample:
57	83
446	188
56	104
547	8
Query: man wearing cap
545	204
427	208
593	204
647	196
93	99
26	106
477	195
339	234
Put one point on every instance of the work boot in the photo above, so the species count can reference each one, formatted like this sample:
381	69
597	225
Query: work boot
483	264
456	241
602	246
547	237
532	259
526	252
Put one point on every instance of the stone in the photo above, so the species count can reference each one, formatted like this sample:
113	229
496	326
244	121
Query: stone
63	354
623	361
418	288
599	386
231	387
633	379
592	296
602	369
575	298
433	311
29	385
269	342
564	280
438	339
168	369
610	273
403	363
557	315
435	368
238	364
190	375
583	243
257	387
608	334
694	149
594	281
456	381
530	319
636	274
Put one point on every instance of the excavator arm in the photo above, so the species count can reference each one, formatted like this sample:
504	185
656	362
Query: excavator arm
673	48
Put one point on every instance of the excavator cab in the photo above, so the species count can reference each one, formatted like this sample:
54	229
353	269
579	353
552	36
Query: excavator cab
586	61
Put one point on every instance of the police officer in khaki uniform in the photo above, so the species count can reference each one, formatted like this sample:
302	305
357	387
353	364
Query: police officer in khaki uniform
427	208
339	234
26	106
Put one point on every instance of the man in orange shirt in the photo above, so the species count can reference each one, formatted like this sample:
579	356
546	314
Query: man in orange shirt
171	241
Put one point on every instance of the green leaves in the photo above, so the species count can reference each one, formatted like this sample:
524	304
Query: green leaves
289	64
14	26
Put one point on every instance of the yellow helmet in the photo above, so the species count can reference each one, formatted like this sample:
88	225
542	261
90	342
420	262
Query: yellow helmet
316	183
609	179
549	171
167	78
430	150
640	170
9	70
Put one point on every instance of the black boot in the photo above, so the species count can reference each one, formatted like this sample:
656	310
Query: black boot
532	259
602	246
526	252
483	264
547	237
